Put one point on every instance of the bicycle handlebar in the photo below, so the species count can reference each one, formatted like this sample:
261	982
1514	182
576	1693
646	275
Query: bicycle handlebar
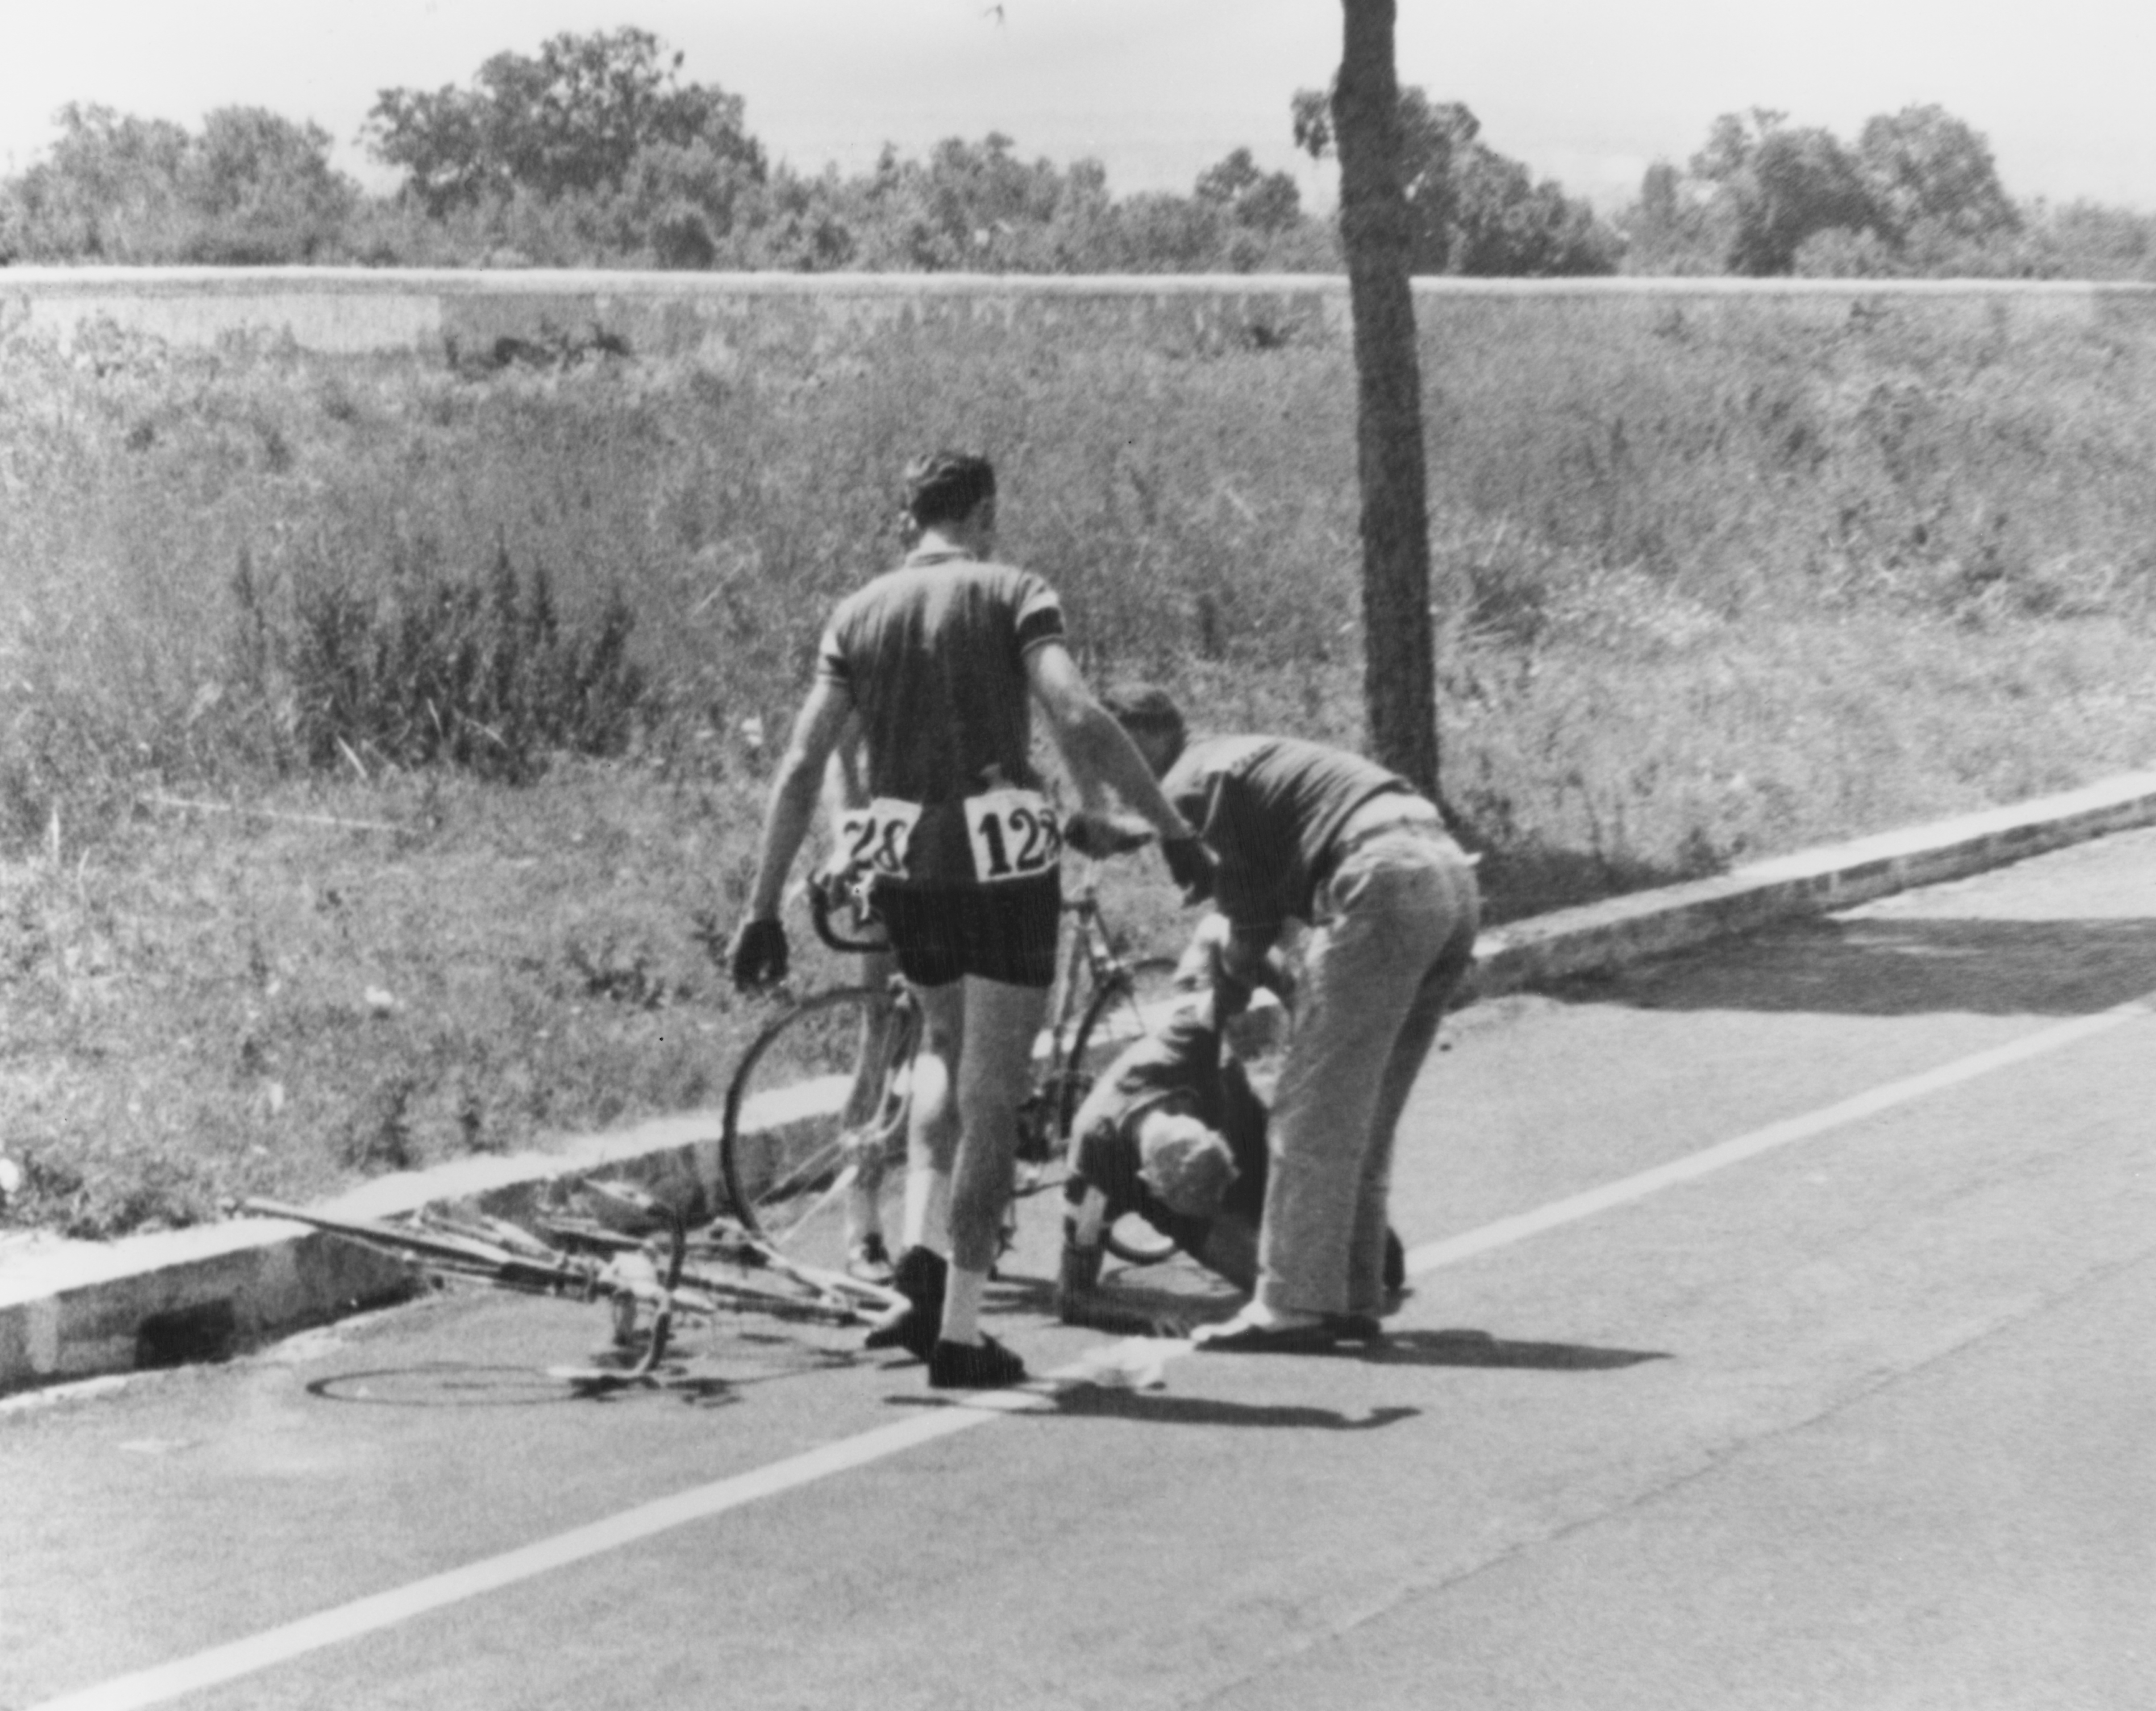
822	905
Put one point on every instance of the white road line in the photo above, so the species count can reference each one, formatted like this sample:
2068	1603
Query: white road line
1506	1230
258	1651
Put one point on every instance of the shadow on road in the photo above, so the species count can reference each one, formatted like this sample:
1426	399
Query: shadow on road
1466	1347
1087	1401
1157	1408
1899	967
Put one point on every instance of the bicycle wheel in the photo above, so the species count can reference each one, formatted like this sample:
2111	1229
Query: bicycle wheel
814	1150
1133	1003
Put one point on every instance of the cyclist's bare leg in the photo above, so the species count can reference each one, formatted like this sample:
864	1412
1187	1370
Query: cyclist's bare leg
932	1130
871	1064
1001	1023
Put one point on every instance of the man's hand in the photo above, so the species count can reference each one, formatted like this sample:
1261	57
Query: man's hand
759	954
1190	864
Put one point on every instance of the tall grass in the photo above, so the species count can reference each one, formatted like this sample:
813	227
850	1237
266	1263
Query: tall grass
222	566
1713	580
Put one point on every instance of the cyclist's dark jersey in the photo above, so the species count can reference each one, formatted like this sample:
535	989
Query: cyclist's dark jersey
1185	1067
1268	808
933	656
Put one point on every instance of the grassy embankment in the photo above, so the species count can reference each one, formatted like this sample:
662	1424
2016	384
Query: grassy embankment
1714	583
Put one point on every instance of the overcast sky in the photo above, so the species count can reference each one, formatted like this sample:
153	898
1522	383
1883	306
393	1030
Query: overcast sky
1585	91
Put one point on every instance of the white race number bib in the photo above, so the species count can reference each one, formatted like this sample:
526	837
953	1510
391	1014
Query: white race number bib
876	838
1014	833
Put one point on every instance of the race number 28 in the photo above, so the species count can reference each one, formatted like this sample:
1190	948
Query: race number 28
1015	834
877	837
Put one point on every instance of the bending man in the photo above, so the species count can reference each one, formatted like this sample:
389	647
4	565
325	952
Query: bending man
1302	831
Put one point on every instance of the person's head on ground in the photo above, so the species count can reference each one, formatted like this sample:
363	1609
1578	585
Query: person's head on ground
1187	1164
951	494
1148	713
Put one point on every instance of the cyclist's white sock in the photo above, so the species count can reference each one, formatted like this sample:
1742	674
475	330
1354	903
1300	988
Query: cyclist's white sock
928	1210
962	1305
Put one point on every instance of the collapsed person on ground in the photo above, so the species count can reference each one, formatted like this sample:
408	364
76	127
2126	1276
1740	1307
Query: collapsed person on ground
1174	1132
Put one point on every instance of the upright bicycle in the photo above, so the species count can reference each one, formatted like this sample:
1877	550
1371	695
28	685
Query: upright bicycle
813	1150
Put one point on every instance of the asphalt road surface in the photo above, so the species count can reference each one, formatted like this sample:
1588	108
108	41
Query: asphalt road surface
1780	1337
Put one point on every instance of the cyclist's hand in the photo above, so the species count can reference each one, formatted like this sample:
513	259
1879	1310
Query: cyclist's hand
759	954
1099	835
1190	864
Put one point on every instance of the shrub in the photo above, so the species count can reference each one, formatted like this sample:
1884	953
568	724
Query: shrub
479	675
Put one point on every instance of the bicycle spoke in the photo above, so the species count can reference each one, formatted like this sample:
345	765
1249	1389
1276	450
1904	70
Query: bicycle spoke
814	1150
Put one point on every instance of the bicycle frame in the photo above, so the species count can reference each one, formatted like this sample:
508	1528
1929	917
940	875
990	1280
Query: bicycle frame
1085	951
1090	971
583	1259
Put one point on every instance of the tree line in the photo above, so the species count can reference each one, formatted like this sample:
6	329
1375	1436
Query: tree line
594	152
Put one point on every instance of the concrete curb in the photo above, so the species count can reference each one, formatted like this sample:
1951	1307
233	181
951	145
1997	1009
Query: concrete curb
1603	936
84	1309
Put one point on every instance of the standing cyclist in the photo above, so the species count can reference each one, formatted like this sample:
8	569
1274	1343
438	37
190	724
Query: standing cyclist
934	667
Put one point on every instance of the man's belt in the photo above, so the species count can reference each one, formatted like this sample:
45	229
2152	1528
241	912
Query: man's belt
1380	816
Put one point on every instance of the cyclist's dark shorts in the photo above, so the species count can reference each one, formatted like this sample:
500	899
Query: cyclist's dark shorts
1004	932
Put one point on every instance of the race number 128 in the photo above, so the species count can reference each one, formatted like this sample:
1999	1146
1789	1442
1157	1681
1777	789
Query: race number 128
1014	833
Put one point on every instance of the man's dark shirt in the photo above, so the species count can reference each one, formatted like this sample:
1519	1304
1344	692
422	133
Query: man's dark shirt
1268	808
933	655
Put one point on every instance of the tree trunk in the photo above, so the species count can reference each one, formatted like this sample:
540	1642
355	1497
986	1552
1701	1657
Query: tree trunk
1399	674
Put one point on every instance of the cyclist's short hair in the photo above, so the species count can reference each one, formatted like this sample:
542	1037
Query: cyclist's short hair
1146	707
1186	1164
946	487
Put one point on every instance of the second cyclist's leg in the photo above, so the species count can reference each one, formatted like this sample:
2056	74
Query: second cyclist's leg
922	1270
932	1134
876	1075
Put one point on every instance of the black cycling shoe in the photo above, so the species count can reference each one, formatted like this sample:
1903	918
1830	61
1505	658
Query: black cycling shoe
920	1276
985	1366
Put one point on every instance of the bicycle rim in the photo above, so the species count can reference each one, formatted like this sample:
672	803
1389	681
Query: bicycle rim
814	1148
1129	1008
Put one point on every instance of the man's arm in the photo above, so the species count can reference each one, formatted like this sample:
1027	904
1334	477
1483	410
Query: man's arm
1097	750
1079	1300
846	778
1229	962
1247	963
818	730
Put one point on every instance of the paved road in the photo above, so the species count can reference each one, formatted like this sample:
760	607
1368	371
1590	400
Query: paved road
1780	1338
